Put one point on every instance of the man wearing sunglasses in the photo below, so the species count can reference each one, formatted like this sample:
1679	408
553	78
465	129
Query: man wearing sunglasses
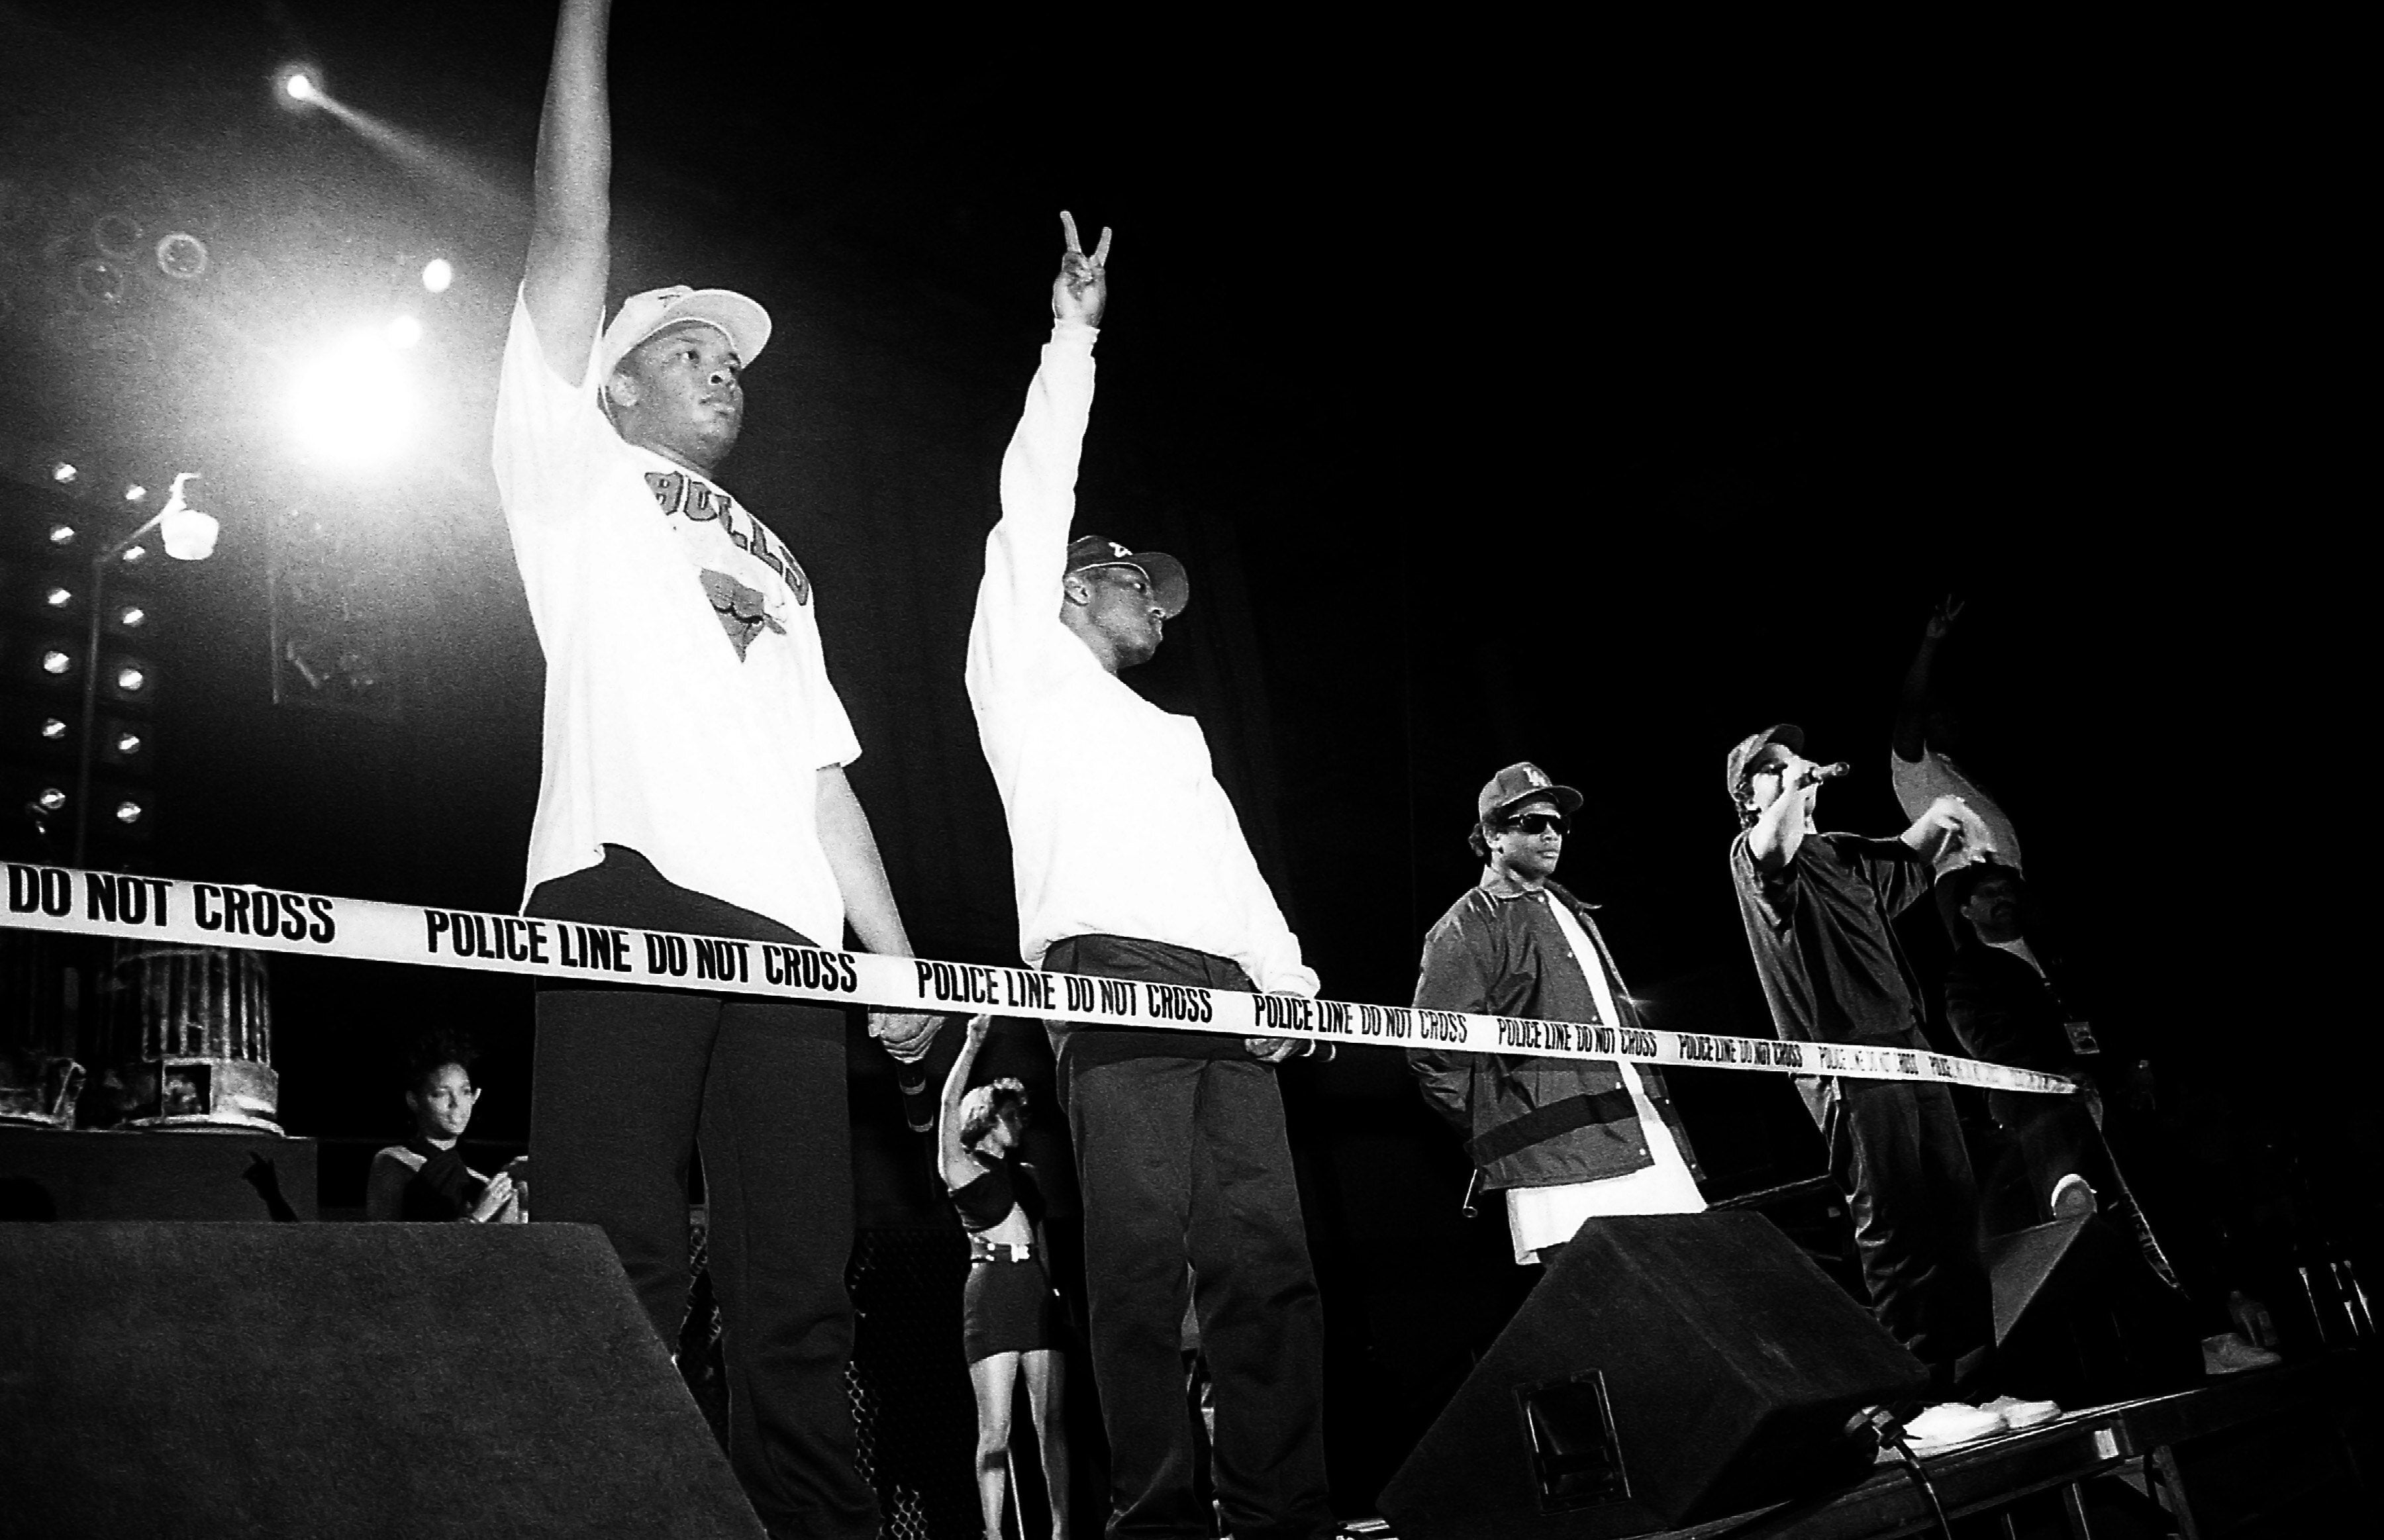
1818	909
1564	1139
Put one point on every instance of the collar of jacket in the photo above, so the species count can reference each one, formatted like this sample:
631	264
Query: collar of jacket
1505	889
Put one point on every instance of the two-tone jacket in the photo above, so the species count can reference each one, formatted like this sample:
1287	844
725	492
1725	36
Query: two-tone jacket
1532	1122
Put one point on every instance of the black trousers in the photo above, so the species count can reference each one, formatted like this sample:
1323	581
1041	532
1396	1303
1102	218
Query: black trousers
1896	1153
1188	1184
627	1083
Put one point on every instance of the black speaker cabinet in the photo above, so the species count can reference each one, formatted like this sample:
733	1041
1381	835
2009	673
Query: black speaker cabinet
1668	1369
307	1380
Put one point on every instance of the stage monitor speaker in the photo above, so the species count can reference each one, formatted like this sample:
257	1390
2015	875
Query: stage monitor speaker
305	1380
1668	1369
2081	1318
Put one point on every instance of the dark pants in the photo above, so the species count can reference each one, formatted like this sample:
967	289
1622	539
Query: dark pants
1896	1152
627	1083
1188	1187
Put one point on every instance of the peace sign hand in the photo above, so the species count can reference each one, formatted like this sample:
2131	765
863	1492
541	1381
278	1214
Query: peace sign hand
1081	290
1941	620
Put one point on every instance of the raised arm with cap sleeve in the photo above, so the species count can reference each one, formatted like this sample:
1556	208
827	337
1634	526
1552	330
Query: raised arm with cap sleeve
570	231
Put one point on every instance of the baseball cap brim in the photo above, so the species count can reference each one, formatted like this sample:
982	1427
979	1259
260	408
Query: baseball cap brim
1169	584
746	323
1568	801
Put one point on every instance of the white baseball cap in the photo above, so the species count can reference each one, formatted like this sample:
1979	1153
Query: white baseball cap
641	315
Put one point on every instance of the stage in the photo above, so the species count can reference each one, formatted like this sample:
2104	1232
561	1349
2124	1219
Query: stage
2284	1451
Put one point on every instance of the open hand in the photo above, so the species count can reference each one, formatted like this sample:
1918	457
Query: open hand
1081	290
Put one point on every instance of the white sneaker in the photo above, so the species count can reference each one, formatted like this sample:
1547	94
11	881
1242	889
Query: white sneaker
2231	1353
1950	1423
2017	1414
2073	1198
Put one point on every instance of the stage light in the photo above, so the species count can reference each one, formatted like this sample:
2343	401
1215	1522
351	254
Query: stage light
135	554
437	274
135	492
126	743
63	473
132	617
58	599
403	332
189	535
355	405
128	811
51	799
298	84
55	662
53	730
130	679
62	534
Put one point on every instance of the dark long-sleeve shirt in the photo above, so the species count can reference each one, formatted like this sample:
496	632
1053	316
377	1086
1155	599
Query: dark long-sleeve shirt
1821	931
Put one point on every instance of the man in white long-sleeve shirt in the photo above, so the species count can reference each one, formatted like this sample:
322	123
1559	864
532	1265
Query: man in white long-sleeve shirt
1130	862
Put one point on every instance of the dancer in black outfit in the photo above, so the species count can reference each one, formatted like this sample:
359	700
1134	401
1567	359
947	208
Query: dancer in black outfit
1008	1314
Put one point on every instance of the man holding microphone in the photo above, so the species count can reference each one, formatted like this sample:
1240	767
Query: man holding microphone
1818	909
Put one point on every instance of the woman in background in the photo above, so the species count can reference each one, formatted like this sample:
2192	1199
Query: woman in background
1008	1314
425	1179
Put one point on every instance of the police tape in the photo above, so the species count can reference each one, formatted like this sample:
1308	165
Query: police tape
131	908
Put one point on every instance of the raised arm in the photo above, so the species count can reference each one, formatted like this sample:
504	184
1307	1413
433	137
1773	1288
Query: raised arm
1780	831
951	1154
1027	552
570	255
1916	706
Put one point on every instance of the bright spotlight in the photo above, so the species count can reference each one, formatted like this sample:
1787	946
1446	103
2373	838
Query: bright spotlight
55	662
403	332
63	473
437	274
128	743
135	492
356	404
58	599
51	799
62	534
53	730
299	83
132	617
128	811
129	679
134	555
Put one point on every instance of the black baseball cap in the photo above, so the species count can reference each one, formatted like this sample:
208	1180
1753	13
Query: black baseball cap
1521	782
1786	734
1168	584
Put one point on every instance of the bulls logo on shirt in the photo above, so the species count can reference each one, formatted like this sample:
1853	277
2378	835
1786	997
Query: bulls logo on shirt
677	492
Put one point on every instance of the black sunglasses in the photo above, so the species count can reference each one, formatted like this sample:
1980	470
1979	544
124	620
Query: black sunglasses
1538	823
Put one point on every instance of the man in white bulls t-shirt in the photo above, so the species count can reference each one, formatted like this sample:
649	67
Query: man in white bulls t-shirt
693	780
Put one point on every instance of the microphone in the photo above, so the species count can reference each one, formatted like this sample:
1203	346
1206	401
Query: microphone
1816	775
